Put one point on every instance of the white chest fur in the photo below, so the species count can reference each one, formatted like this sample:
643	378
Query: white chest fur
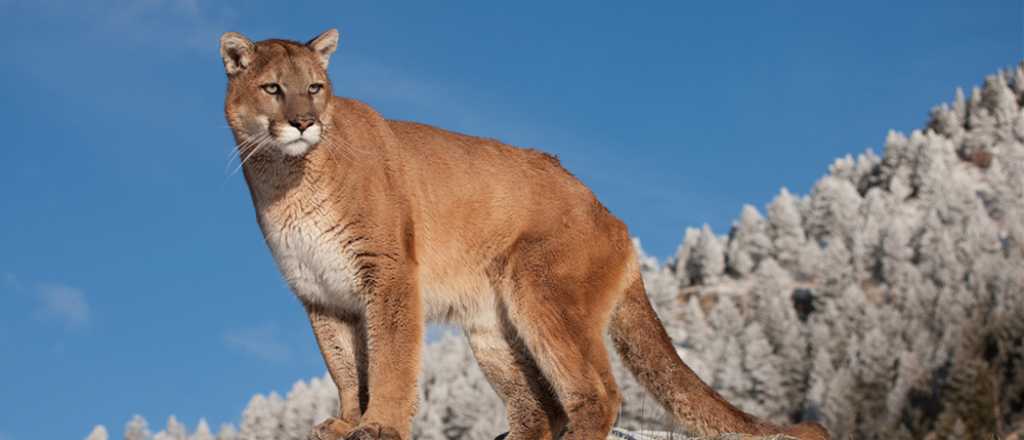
314	264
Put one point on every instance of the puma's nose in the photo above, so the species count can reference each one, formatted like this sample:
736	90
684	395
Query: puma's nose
302	122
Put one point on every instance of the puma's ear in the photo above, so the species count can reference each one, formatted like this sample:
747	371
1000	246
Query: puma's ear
323	45
237	52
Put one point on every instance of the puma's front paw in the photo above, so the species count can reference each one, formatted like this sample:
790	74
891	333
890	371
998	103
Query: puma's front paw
331	429
373	431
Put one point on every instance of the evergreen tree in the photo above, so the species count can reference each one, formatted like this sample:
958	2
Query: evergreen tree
834	205
175	430
258	422
299	410
761	366
690	238
137	429
705	261
227	432
202	431
787	230
98	433
749	242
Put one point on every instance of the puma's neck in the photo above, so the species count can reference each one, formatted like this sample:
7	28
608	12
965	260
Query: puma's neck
274	178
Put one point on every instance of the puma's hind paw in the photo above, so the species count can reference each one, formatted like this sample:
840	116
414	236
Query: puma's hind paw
373	431
331	429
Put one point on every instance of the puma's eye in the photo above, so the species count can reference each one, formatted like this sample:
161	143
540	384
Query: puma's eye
315	88
271	88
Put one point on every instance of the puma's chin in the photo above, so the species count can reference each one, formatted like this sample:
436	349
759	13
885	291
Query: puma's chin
296	148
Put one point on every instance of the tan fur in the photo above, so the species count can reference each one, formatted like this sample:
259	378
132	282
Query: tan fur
379	226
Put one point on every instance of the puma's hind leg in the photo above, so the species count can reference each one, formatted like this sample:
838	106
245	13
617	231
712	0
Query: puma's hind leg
598	356
566	350
533	411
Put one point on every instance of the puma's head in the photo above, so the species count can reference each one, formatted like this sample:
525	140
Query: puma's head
277	90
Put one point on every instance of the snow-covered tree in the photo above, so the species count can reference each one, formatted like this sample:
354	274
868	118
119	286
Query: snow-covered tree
690	238
227	432
299	412
787	229
761	368
705	261
749	241
202	431
834	205
137	429
175	430
259	421
98	433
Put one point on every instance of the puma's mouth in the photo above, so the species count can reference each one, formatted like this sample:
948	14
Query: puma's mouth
294	142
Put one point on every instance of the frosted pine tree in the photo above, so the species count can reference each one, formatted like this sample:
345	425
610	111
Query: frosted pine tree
97	433
822	371
259	421
834	207
299	412
731	379
175	430
839	409
690	239
227	432
787	230
785	333
202	431
137	429
749	241
705	260
761	369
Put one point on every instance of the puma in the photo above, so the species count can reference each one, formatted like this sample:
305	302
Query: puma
380	226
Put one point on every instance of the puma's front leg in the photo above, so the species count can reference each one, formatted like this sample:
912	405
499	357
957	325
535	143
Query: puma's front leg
342	341
394	327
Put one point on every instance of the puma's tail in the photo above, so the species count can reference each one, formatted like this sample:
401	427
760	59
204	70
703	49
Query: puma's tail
648	352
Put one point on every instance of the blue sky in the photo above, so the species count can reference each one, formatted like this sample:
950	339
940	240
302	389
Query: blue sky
133	278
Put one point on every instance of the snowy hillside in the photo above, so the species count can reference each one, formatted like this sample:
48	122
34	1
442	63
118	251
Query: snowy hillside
888	303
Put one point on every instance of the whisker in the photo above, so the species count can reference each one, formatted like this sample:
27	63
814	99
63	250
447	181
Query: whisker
241	145
241	149
251	154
